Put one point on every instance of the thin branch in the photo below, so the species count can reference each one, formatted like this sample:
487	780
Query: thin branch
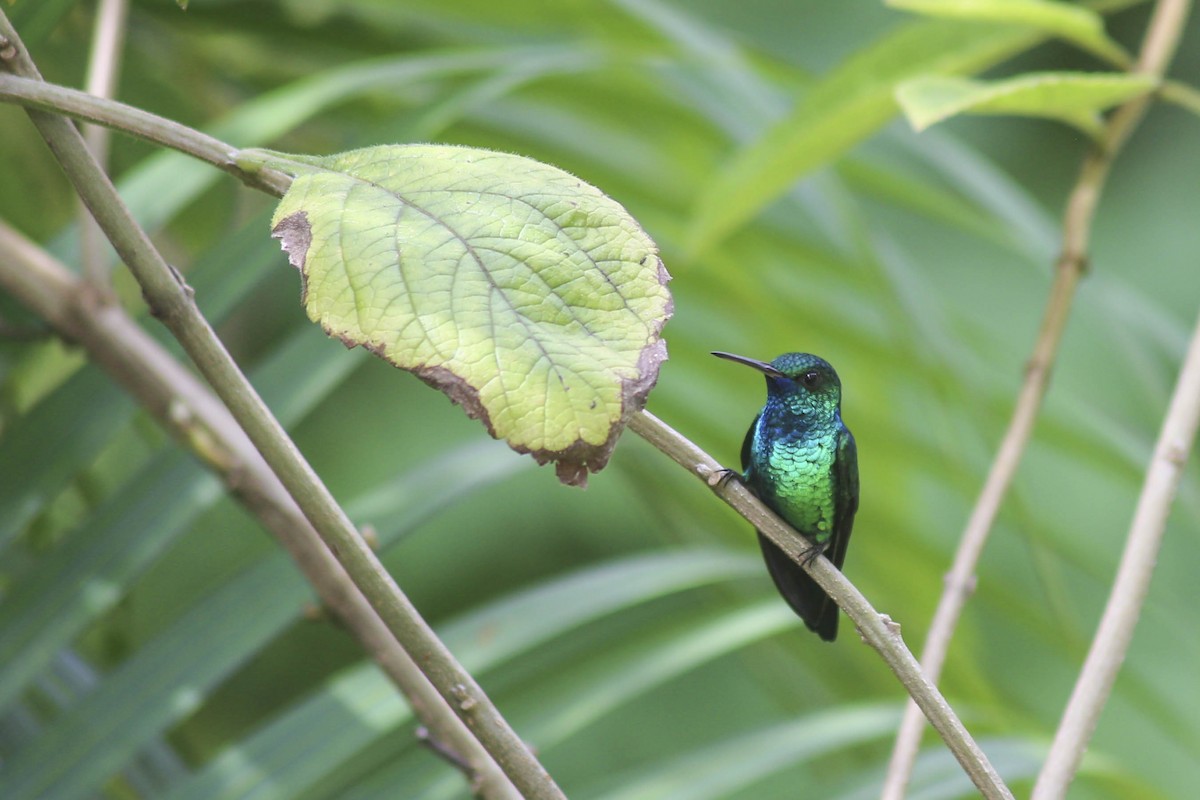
108	37
1158	47
198	421
1111	642
1115	632
876	629
171	301
37	94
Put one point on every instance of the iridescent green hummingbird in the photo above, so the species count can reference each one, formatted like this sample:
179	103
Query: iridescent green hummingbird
800	459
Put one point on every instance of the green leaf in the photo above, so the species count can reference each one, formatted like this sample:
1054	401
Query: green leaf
1073	97
1081	26
360	706
573	698
526	295
160	186
850	104
735	763
170	675
73	423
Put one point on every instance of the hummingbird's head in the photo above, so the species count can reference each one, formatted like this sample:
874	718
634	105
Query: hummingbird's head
804	383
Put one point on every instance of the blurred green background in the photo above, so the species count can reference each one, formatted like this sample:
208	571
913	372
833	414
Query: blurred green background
154	643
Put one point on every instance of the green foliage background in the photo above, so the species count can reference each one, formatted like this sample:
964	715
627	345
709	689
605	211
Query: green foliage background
154	643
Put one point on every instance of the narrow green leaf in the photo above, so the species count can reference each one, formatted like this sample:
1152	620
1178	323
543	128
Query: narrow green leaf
571	600
745	758
86	577
991	189
360	706
1072	97
571	699
41	451
529	297
846	107
169	677
36	21
923	197
163	683
1082	26
937	776
616	678
49	445
160	186
49	606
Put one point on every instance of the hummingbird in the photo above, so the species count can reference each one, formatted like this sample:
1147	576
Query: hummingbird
800	459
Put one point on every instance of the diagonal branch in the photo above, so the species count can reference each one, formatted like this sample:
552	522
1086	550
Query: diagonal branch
876	629
1157	49
171	301
81	313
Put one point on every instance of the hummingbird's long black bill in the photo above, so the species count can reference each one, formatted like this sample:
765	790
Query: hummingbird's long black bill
754	363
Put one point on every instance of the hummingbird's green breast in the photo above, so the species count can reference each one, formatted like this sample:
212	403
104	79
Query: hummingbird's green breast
794	475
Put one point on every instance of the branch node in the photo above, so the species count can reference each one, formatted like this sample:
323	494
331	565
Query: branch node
446	752
965	587
1176	452
1037	369
8	50
183	284
463	697
1072	261
369	535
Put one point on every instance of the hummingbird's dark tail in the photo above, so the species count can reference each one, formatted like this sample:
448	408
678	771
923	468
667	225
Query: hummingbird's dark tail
802	593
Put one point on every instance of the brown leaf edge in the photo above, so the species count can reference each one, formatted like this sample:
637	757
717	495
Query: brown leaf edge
573	463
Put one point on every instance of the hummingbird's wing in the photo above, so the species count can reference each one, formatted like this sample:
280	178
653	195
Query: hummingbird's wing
824	618
747	443
845	493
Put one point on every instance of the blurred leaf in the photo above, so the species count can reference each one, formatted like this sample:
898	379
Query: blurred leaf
1031	227
360	706
844	108
739	761
938	776
169	677
41	451
923	198
163	184
36	20
1082	26
1075	98
530	298
78	582
613	678
82	580
571	700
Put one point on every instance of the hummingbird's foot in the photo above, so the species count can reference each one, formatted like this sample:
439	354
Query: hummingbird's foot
815	549
722	476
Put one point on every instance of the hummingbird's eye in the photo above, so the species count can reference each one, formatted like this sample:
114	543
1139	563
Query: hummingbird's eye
810	379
